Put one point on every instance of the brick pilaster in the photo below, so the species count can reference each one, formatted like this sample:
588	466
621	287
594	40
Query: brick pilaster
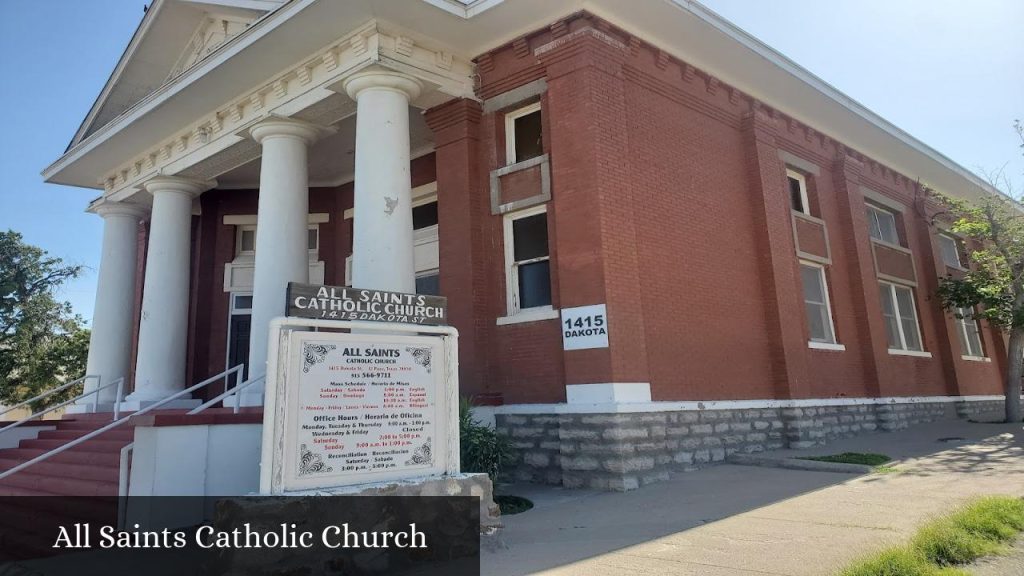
945	327
780	271
461	202
593	196
855	240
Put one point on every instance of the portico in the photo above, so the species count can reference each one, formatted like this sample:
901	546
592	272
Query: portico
373	79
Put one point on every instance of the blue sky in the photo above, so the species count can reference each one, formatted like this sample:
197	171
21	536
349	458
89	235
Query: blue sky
951	73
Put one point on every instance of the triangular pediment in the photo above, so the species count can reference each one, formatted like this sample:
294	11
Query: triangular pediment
174	36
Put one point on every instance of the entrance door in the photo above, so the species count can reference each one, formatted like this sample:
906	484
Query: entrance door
239	327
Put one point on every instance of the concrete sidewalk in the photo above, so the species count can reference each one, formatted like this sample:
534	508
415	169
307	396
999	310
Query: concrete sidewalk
743	520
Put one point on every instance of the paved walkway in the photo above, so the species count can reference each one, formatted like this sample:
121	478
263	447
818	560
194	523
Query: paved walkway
744	520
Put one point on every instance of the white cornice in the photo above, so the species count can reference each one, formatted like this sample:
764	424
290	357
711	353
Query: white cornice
312	78
230	48
133	44
806	76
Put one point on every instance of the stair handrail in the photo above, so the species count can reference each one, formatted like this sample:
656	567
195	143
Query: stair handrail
51	392
123	477
122	484
119	383
104	429
239	386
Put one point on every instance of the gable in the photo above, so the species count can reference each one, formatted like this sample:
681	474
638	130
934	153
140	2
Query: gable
173	36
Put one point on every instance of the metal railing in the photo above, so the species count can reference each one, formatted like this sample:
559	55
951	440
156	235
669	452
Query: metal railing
124	462
119	421
239	386
51	392
120	388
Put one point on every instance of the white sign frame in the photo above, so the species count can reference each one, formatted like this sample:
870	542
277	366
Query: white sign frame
286	334
585	312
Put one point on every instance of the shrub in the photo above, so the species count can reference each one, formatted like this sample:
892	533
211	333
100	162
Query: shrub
482	448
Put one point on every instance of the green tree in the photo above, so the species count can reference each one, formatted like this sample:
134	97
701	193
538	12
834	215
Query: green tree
994	286
42	344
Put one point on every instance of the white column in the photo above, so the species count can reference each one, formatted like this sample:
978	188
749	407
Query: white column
282	219
382	243
163	328
110	343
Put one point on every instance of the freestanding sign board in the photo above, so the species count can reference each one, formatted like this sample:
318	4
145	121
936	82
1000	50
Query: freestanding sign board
354	408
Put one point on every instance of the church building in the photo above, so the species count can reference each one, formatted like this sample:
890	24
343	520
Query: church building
759	245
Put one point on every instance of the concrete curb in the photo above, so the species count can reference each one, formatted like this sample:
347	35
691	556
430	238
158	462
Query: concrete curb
798	464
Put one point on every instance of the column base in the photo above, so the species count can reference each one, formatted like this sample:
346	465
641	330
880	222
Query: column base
247	399
181	404
608	392
89	408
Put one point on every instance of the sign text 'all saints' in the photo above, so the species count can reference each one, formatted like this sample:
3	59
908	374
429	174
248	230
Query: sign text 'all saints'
343	303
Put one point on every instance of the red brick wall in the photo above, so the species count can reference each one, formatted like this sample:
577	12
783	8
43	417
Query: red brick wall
718	292
669	204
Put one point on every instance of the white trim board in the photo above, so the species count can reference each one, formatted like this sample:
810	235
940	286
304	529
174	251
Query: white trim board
631	392
700	405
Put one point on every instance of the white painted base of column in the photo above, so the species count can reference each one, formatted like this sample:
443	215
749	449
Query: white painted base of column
247	400
608	392
183	404
89	408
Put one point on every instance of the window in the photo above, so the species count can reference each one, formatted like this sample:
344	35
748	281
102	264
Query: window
428	283
950	251
882	225
313	239
528	271
523	139
245	244
424	215
816	304
798	192
900	317
970	334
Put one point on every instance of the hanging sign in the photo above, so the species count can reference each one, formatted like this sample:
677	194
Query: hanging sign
585	327
343	303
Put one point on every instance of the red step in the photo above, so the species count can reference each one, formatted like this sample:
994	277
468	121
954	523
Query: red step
108	459
116	434
87	446
63	485
64	469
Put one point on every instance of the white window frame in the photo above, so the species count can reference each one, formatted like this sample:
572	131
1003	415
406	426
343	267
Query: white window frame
903	350
895	229
515	313
510	129
239	253
956	250
314	253
818	344
802	180
962	317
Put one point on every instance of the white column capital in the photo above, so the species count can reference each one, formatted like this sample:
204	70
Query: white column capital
383	79
107	209
177	184
280	126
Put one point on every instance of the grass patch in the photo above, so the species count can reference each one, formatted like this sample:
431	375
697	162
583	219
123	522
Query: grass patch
510	505
981	528
886	470
899	562
865	458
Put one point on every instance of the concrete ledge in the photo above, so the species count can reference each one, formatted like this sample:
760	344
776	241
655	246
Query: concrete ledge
798	464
